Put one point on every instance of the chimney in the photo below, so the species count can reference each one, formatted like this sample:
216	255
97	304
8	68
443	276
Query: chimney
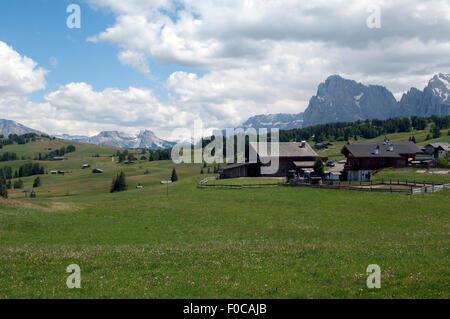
376	151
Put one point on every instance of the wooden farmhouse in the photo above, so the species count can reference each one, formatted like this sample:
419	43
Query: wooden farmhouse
291	156
364	158
437	150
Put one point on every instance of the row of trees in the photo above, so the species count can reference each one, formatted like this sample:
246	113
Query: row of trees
344	131
18	139
56	153
25	170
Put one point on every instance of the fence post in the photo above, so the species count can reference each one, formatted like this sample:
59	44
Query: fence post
398	181
391	189
390	181
432	187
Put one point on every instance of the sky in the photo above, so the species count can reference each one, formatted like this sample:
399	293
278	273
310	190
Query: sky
162	64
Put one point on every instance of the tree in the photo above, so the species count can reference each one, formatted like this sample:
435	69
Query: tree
122	157
3	189
70	149
318	167
436	131
37	182
119	183
201	171
413	139
174	177
18	184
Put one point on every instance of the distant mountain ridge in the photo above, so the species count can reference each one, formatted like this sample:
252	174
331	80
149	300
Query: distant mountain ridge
343	100
281	120
8	127
145	139
433	100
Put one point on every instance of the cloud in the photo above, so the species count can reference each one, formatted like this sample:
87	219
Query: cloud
19	75
267	56
255	56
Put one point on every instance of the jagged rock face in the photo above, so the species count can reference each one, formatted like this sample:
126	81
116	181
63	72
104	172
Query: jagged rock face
341	100
148	140
433	100
269	121
8	127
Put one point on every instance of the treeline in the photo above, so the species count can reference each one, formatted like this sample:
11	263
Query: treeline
344	131
160	155
154	155
28	169
18	139
25	170
8	156
56	153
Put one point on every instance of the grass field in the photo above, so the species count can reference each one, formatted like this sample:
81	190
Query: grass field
214	243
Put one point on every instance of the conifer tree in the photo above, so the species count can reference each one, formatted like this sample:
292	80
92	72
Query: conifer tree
37	182
174	177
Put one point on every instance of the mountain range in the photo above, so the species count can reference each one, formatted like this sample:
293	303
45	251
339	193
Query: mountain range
145	139
343	100
281	121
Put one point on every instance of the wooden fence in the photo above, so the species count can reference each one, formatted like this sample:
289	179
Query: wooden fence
204	184
408	187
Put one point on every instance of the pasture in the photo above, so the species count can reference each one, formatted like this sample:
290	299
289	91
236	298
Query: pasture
278	242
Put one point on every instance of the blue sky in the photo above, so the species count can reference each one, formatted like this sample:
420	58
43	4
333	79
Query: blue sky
37	29
163	64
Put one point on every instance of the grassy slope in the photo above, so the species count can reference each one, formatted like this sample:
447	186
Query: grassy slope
276	242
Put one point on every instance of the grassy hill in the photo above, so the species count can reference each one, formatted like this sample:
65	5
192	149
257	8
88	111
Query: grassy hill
212	243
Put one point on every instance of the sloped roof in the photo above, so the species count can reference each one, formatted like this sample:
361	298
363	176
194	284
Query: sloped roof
444	146
366	149
286	149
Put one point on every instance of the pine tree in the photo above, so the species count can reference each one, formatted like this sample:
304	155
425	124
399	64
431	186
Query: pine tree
436	131
37	182
413	139
201	171
18	184
174	177
122	184
119	183
3	190
318	167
